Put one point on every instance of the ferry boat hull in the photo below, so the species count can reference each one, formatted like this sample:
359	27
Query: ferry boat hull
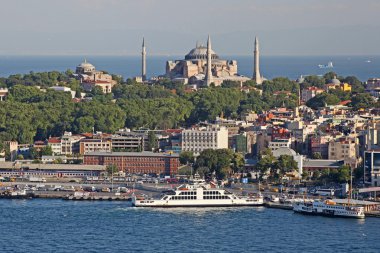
196	203
329	210
198	193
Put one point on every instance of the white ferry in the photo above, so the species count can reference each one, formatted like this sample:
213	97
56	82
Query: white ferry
329	208
198	194
328	66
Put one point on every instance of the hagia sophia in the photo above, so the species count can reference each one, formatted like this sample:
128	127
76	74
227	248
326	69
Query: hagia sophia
202	66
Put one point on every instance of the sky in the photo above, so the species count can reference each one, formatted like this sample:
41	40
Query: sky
172	27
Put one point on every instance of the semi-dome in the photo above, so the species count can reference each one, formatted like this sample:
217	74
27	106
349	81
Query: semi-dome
200	52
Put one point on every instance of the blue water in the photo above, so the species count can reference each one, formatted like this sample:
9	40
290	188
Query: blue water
129	66
58	226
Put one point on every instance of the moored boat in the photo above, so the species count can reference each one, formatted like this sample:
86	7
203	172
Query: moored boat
198	193
329	208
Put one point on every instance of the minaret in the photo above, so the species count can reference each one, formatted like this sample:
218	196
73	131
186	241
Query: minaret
208	74
143	63
256	71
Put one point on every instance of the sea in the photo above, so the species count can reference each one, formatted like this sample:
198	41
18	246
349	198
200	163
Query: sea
52	225
363	67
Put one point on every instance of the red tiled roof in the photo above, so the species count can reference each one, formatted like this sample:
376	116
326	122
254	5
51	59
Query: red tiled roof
54	140
345	102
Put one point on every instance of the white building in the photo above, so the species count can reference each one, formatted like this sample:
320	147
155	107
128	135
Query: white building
199	139
70	143
55	144
279	143
64	89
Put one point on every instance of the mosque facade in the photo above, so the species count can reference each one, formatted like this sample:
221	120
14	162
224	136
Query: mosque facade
194	68
90	77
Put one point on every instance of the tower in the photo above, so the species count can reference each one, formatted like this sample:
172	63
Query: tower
208	74
143	63
256	71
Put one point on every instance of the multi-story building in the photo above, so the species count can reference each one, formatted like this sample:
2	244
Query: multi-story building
91	78
201	138
343	148
279	143
136	162
55	144
125	140
310	92
95	145
70	143
320	144
39	145
373	87
372	167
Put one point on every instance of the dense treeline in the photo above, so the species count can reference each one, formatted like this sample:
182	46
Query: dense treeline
30	114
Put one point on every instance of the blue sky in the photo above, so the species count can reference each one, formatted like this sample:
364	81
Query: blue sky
172	27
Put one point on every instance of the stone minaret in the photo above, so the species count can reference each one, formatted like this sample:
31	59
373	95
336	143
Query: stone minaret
208	74
256	72
143	63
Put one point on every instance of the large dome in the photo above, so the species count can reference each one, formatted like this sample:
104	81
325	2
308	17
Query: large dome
200	52
86	65
335	81
85	68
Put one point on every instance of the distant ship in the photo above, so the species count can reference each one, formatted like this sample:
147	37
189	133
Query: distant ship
368	61
328	66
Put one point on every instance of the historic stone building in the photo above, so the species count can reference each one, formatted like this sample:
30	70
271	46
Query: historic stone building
194	68
90	77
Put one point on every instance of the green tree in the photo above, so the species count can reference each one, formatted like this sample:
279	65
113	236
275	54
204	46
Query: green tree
112	169
316	175
152	141
323	99
46	150
362	100
218	161
285	164
343	174
317	155
266	163
329	76
238	162
186	157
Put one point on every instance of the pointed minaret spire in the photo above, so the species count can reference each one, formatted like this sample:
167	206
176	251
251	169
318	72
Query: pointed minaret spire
143	63
208	74
256	71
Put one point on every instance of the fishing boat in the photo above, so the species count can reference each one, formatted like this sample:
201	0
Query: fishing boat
198	193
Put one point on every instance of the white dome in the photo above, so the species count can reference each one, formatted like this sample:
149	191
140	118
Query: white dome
335	81
284	151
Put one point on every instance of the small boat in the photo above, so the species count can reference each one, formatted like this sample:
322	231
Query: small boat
16	194
328	66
